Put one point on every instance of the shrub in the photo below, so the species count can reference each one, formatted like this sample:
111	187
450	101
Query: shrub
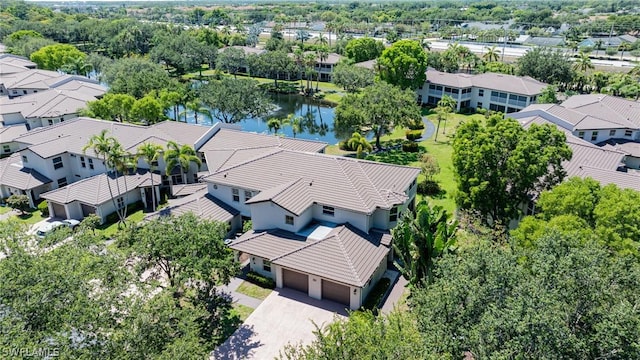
416	125
18	202
263	281
131	208
428	187
413	134
481	111
375	295
44	208
410	146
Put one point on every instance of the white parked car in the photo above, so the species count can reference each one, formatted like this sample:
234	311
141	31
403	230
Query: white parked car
48	228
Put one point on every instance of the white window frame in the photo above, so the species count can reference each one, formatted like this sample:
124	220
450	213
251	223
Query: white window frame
120	202
289	220
393	214
266	265
328	210
235	195
247	195
57	164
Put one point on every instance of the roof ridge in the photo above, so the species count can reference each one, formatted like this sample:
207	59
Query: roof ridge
340	165
375	188
261	156
346	254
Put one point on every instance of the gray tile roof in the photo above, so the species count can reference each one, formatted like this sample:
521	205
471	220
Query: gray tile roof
346	255
523	85
11	59
46	104
72	135
10	133
13	174
247	49
6	69
230	139
606	107
83	86
369	64
33	79
200	204
95	190
181	190
621	179
626	146
346	183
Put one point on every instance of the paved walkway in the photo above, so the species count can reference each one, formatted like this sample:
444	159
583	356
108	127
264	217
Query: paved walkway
398	288
429	129
8	215
239	298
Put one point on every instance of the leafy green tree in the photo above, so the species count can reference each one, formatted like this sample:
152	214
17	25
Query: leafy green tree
54	57
562	296
147	109
91	222
18	202
362	336
231	60
575	196
135	76
548	95
195	253
498	165
351	77
492	54
404	64
233	100
182	52
429	166
180	156
378	109
551	67
274	125
273	64
363	49
150	153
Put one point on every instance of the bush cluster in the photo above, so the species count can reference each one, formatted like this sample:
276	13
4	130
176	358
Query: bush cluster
44	208
416	125
375	295
428	187
263	281
413	134
410	146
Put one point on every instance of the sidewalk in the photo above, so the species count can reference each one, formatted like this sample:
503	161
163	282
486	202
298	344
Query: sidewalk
239	298
398	288
429	129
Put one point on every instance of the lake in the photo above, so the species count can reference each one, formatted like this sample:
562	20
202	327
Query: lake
317	120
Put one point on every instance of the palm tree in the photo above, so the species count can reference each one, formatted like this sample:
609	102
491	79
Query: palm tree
182	156
622	48
582	62
102	144
196	108
322	40
77	66
446	105
492	54
421	238
298	56
274	124
302	35
358	141
331	27
122	162
310	63
323	54
295	122
150	153
598	44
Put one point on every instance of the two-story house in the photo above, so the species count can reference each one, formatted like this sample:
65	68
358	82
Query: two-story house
320	223
491	91
603	120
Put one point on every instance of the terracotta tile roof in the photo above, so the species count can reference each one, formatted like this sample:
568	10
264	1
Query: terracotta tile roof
346	255
95	190
13	174
200	204
351	184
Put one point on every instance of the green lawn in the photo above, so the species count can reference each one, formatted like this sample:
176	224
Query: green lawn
109	230
31	217
242	311
253	290
4	209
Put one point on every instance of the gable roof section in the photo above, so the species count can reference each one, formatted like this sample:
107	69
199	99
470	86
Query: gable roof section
10	59
181	190
13	174
95	190
200	204
230	139
346	255
72	135
523	85
33	79
295	196
10	133
356	185
614	109
622	180
46	104
626	146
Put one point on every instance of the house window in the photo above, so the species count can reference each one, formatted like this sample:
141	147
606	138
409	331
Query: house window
480	93
328	210
612	133
24	92
628	133
120	202
581	134
288	219
62	182
6	148
82	162
594	136
247	195
57	162
479	105
393	214
24	159
90	163
236	195
50	122
266	265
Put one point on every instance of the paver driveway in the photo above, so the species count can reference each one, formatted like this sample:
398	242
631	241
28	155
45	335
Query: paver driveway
285	316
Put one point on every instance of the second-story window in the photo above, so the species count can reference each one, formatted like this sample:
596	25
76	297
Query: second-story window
120	202
57	162
288	219
235	194
247	195
612	133
628	132
90	163
82	162
25	159
266	265
6	148
481	92
393	214
62	182
594	136
328	210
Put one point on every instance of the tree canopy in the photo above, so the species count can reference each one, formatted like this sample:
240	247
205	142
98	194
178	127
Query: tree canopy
377	109
403	64
499	165
135	76
546	65
351	77
56	56
363	49
232	100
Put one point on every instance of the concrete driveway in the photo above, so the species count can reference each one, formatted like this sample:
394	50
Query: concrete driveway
285	316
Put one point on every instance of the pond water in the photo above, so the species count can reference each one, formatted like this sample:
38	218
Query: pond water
317	119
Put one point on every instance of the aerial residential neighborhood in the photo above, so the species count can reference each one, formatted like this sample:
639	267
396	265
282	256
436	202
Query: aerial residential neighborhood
397	180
